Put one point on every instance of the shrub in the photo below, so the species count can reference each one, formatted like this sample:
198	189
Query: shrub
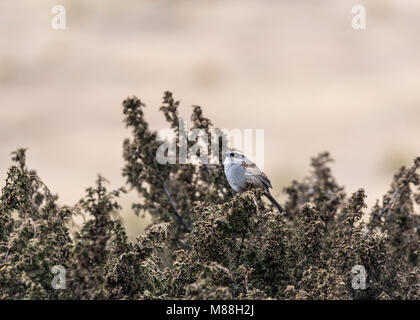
205	242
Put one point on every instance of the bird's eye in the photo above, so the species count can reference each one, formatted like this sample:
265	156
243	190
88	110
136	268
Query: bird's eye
242	156
232	154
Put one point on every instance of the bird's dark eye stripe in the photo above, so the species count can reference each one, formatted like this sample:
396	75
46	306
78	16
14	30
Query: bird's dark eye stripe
232	154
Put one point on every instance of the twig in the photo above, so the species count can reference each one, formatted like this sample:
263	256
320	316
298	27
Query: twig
388	208
241	246
176	212
4	260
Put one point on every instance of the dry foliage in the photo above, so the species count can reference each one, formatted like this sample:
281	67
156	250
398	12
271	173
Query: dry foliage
205	242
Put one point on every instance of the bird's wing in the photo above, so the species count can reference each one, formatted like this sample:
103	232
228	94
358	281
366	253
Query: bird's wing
252	169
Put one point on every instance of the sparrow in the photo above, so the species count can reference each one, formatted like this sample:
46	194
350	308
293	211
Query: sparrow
241	172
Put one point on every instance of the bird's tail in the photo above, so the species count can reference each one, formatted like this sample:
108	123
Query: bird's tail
275	203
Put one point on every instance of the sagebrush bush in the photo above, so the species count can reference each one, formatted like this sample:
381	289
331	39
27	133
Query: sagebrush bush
205	242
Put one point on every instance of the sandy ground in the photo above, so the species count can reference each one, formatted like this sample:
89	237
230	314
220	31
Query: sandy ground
296	69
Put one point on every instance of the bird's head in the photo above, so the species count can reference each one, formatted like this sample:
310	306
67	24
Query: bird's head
233	157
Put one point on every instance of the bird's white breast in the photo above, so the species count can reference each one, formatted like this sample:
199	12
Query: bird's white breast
235	175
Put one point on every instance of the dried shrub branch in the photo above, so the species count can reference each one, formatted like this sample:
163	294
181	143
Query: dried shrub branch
205	242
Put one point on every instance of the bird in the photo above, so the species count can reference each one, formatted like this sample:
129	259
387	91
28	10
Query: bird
241	172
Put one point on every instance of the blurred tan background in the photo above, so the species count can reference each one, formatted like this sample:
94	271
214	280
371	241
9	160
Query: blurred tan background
294	68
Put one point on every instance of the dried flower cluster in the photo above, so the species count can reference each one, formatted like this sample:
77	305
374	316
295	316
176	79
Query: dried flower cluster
205	242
